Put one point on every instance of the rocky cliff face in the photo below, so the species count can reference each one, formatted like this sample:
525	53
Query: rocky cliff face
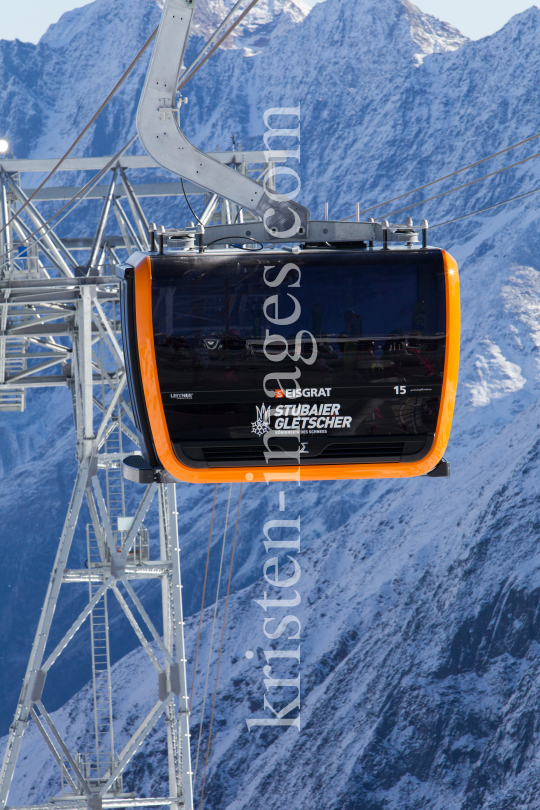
419	644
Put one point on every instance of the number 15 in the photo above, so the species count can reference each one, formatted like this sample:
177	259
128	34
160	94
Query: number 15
400	389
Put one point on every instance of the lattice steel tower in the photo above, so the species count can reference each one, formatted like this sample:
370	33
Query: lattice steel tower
64	321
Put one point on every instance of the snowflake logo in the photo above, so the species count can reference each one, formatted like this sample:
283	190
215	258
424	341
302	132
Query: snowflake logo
262	423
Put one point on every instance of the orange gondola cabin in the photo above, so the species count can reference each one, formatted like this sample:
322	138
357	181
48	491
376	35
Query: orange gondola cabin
325	363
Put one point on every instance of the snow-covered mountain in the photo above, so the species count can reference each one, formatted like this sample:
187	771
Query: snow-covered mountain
267	20
419	663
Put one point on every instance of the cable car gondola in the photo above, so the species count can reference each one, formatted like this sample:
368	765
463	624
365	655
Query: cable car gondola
339	360
333	359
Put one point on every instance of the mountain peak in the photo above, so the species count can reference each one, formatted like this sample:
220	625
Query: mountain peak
267	18
526	22
372	34
431	34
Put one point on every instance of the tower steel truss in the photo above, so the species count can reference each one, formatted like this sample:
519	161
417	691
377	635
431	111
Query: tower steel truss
59	326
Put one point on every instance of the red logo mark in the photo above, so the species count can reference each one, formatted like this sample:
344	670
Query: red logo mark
279	394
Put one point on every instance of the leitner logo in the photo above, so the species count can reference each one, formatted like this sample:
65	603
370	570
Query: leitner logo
262	423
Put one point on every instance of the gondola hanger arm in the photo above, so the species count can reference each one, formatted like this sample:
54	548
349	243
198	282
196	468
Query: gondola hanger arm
160	134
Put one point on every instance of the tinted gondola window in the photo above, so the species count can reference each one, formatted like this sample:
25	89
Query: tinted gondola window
364	333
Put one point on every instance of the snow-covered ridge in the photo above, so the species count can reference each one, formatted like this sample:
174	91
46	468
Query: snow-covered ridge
432	35
269	18
273	17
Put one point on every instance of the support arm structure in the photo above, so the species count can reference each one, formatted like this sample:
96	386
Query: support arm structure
160	133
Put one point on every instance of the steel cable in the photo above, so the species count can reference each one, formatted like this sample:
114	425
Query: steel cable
87	127
221	646
488	208
446	176
458	188
212	635
185	78
188	202
212	39
202	600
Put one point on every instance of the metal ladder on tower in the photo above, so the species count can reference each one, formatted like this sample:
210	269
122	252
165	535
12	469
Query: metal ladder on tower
97	766
21	263
114	481
12	362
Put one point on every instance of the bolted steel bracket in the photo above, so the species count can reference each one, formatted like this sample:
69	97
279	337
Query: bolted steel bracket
163	687
118	565
39	683
95	802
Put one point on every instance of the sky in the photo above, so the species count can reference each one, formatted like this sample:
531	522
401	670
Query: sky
28	20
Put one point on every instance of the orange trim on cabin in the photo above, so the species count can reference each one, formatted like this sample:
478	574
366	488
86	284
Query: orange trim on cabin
329	472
